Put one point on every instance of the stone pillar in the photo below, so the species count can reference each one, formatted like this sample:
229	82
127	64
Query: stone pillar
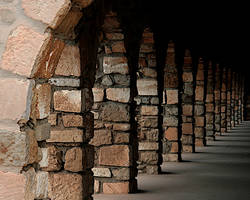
242	96
210	108
238	102
224	101
217	99
147	107
115	167
188	137
233	99
171	108
199	106
229	98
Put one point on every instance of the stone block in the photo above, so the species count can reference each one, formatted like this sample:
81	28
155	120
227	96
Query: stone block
149	72
121	127
115	155
120	138
148	157
187	110
114	36
73	160
147	87
101	172
174	147
187	76
50	12
150	122
65	186
52	119
200	121
51	159
171	133
148	146
187	128
118	47
172	96
115	112
42	179
23	48
68	100
115	65
42	131
101	137
149	110
198	110
118	94
69	62
65	82
199	93
72	120
171	80
67	135
170	120
121	173
98	94
15	98
116	188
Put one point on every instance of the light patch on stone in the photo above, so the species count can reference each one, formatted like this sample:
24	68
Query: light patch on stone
101	172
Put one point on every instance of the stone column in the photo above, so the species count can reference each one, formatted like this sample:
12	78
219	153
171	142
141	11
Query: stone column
147	107
242	96
229	98
188	137
236	101
217	99
210	108
233	99
224	101
199	106
171	108
115	167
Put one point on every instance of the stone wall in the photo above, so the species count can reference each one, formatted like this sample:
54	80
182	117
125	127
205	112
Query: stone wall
224	101
217	100
229	98
148	107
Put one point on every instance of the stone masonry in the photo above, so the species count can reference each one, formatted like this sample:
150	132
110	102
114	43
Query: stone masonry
199	106
148	107
210	127
217	100
171	108
224	101
229	98
188	137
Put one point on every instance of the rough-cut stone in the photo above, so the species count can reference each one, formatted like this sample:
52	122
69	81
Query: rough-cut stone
115	112
52	119
30	186
41	185
68	101
114	36
174	147
65	82
115	65
199	93
199	121
73	160
147	87
187	128
116	188
149	72
145	146
121	127
15	95
69	62
171	133
149	110
118	47
17	149
115	155
101	172
118	94
121	173
187	76
72	120
65	186
148	157
51	159
67	135
49	12
101	137
172	96
98	94
42	131
41	101
150	122
23	47
120	138
96	186
187	110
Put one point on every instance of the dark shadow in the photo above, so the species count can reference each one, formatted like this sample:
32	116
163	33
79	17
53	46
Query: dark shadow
166	173
141	191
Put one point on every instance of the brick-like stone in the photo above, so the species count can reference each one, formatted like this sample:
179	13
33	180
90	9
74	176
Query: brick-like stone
150	122
101	172
42	179
171	133
115	155
49	12
149	72
67	135
69	62
51	159
65	186
120	138
118	94
200	121
149	110
121	127
98	94
114	36
115	65
199	93
147	87
115	112
73	160
65	82
172	96
121	173
96	186
42	131
15	96
148	146
101	137
68	101
187	110
72	120
116	188
52	119
118	47
23	47
174	147
148	157
187	128
187	76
